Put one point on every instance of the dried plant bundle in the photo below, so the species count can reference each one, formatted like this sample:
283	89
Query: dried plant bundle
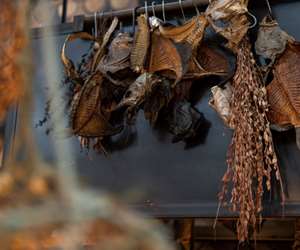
251	156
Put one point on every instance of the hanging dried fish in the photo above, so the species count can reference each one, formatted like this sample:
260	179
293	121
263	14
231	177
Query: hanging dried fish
136	93
208	62
141	44
271	40
156	99
220	101
86	117
168	58
284	90
191	32
115	65
232	15
184	121
251	156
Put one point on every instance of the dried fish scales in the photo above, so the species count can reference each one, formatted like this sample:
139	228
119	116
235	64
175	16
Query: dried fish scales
141	44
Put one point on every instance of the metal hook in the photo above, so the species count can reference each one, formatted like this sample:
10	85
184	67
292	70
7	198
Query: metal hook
270	9
146	9
163	10
255	20
95	25
153	8
180	4
196	8
133	18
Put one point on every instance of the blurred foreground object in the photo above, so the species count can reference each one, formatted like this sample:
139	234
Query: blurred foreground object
13	41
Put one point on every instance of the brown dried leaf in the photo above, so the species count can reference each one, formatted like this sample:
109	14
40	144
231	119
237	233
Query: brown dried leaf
141	45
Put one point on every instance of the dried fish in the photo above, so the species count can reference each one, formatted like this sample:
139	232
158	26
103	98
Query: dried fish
86	117
136	93
184	121
220	101
141	44
168	58
115	65
157	99
271	40
232	15
208	62
284	90
191	32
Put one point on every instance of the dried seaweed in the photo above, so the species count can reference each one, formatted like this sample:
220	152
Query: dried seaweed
141	44
13	41
251	156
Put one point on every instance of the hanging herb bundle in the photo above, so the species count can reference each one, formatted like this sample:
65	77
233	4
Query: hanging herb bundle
251	156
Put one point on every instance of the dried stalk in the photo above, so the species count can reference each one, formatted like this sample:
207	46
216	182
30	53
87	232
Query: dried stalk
251	156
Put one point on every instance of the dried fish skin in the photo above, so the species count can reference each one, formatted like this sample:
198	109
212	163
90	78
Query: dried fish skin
69	66
157	99
141	44
191	32
284	90
116	64
184	121
169	58
86	117
220	102
232	14
271	40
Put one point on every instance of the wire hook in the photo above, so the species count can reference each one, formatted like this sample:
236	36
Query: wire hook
153	8
196	8
146	9
163	10
270	9
95	24
180	4
254	18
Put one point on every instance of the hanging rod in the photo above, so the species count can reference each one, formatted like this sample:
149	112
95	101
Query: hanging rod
158	8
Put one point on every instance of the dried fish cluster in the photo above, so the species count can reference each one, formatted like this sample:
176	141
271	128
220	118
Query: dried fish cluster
152	70
13	40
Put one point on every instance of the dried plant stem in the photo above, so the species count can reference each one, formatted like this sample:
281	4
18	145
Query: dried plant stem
251	156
